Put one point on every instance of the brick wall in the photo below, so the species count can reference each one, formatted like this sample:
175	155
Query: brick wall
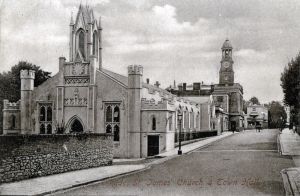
27	156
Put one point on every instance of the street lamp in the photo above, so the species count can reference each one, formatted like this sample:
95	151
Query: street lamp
180	120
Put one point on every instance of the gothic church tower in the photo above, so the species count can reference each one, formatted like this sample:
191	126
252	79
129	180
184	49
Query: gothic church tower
85	37
226	73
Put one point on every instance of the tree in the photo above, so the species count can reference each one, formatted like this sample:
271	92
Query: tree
254	100
276	115
10	83
289	81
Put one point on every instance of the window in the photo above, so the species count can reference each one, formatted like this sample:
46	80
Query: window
186	119
45	118
198	121
116	133
13	121
191	120
170	122
81	42
95	43
112	120
153	123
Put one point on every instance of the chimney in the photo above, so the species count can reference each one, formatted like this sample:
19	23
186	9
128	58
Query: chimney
184	86
148	80
157	84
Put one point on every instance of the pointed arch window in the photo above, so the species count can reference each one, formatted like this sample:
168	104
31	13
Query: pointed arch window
95	43
49	113
42	114
45	118
81	42
109	114
112	120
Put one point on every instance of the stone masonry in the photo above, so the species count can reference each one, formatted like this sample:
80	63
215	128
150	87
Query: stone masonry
28	156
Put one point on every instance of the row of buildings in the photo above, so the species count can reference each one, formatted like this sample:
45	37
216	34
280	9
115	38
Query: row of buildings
84	96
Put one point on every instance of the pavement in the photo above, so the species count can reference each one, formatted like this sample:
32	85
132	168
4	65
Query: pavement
244	164
290	146
121	167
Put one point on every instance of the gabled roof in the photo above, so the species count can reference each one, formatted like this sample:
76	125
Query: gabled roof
120	78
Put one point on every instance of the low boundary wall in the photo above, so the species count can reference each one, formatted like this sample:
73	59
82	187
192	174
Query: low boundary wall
27	156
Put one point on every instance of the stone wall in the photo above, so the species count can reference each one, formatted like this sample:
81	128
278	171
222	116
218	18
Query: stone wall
27	156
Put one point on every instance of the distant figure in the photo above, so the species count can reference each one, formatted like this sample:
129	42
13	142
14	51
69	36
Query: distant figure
294	129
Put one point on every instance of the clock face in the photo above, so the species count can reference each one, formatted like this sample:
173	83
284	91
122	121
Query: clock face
226	64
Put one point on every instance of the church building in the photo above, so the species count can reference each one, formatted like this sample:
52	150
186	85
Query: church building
86	97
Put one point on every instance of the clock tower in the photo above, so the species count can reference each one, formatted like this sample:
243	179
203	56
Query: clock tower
226	73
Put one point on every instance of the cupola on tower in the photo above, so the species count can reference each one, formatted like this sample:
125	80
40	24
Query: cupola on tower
226	73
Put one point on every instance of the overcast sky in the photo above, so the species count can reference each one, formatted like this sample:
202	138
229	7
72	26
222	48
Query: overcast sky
173	39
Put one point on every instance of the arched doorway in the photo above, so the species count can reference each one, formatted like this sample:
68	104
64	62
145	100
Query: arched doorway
76	127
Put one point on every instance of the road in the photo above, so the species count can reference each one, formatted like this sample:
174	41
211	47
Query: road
246	163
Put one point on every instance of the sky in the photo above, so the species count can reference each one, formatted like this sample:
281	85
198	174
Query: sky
172	39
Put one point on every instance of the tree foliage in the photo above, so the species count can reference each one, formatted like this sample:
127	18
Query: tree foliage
10	82
276	114
289	81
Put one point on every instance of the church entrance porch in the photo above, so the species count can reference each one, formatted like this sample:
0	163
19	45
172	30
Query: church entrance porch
76	127
153	145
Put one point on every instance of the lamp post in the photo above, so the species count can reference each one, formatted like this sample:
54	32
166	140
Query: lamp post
180	120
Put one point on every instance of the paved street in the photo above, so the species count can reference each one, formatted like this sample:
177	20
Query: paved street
243	164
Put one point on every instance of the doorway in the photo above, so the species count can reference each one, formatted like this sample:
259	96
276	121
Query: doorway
233	125
153	145
76	127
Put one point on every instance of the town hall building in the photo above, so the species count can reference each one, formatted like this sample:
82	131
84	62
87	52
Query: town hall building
227	95
85	97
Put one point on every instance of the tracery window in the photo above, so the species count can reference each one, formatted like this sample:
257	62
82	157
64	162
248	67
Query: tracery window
112	120
45	118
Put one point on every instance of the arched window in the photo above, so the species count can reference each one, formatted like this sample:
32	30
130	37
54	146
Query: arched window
49	129
116	133
13	121
186	119
43	114
108	129
95	43
109	114
49	114
81	42
112	120
116	114
42	129
153	123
